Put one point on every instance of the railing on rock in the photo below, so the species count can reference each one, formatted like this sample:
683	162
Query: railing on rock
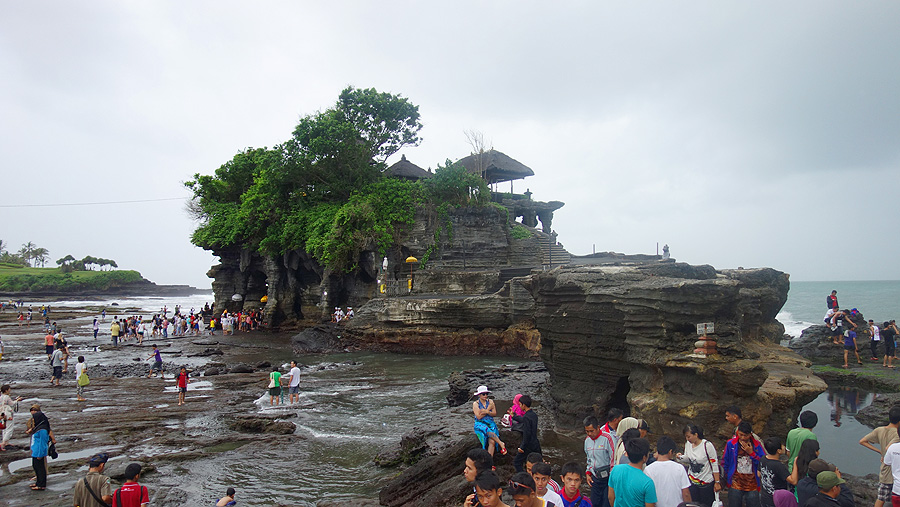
394	288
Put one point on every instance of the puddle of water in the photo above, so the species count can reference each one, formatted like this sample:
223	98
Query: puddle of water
63	456
201	385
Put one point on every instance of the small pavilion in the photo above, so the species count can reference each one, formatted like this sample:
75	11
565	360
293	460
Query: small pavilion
495	166
406	170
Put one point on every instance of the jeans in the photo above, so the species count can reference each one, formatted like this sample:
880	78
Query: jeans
736	497
600	493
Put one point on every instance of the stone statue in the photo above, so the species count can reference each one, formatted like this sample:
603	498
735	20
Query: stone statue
665	256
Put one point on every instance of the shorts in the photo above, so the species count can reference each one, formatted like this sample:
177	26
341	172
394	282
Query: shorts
157	365
274	391
838	331
182	389
294	390
57	372
889	347
884	492
849	347
895	500
49	349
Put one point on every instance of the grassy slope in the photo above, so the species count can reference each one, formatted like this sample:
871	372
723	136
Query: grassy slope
23	279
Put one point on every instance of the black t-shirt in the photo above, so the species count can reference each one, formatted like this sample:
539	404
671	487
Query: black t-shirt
887	334
772	476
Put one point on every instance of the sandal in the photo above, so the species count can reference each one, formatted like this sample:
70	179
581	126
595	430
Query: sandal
503	451
35	488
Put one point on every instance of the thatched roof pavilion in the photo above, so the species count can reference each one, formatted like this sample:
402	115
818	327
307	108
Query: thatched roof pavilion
495	166
407	170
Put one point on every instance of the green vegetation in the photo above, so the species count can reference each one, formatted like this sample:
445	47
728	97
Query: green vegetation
520	232
29	255
324	190
24	279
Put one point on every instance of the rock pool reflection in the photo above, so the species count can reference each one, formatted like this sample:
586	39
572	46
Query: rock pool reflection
839	431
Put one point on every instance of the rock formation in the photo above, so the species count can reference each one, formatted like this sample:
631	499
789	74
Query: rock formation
624	336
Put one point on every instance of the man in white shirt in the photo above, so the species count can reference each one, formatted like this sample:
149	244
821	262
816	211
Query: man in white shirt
294	383
541	472
669	476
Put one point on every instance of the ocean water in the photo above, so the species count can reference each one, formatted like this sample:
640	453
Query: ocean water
805	306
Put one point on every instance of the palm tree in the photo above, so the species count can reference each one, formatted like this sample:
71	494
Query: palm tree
27	251
40	255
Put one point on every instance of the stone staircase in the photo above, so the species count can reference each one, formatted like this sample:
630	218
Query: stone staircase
554	254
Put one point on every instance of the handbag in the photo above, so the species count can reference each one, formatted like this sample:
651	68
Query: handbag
83	380
51	451
271	381
717	502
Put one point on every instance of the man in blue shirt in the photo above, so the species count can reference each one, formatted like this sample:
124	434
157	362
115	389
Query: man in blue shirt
628	485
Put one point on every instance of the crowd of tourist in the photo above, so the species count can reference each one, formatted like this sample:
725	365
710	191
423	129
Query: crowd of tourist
622	470
848	326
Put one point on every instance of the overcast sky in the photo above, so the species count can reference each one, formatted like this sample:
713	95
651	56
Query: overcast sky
741	134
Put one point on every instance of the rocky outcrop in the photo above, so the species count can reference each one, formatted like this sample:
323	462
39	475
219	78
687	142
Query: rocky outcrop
876	414
624	336
473	248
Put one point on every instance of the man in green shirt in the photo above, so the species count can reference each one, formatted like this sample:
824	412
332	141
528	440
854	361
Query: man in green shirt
796	437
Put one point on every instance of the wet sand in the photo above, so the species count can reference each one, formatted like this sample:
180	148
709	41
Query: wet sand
133	417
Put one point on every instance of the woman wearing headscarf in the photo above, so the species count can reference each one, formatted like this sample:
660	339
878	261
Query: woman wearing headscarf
628	423
41	437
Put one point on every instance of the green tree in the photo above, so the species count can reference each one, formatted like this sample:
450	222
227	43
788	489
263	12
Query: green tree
27	252
68	259
40	255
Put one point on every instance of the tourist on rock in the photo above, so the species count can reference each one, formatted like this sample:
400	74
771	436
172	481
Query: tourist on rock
541	473
7	411
836	324
600	450
94	489
570	476
48	344
294	383
514	410
629	486
703	469
131	494
487	491
80	382
796	437
228	499
831	301
888	334
41	438
884	437
157	363
628	423
773	474
850	344
741	463
874	340
56	362
274	386
808	487
535	458
181	382
485	428
530	442
734	416
114	330
523	490
96	327
613	417
669	478
829	490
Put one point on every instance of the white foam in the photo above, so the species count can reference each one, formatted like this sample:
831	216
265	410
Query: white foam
792	326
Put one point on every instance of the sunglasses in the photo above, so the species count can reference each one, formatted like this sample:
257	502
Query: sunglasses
514	484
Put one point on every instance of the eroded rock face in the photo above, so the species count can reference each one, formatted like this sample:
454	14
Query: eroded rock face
624	336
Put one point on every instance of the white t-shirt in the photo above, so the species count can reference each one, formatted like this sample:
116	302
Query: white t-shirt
699	455
670	478
295	377
876	334
892	459
79	368
552	496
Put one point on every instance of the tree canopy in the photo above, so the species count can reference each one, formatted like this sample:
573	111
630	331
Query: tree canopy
323	190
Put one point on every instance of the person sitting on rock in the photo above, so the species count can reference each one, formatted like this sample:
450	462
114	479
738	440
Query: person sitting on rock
829	484
485	427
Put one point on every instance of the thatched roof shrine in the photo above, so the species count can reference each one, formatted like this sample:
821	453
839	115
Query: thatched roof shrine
407	170
495	166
